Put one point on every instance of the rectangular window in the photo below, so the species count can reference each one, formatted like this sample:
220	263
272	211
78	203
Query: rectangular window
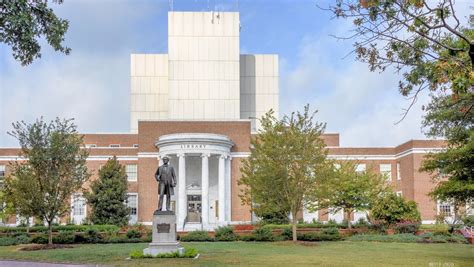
386	170
131	170
79	205
132	203
399	175
2	171
445	209
2	174
399	193
135	145
360	168
114	145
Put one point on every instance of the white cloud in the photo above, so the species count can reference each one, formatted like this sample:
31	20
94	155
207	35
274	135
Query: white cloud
360	105
92	84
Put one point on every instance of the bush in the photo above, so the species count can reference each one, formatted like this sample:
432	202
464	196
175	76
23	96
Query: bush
247	238
225	233
391	209
198	236
287	233
92	236
188	253
410	238
328	234
132	233
361	223
263	234
407	228
469	220
442	238
22	238
59	228
8	241
64	238
401	238
40	239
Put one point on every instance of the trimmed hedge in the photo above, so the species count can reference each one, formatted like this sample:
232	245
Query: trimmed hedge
197	236
59	228
225	233
410	238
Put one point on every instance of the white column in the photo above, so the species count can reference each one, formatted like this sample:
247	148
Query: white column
221	189
205	190
181	190
228	188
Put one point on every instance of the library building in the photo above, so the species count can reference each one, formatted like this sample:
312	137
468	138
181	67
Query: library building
199	105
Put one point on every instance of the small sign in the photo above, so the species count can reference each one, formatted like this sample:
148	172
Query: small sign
163	228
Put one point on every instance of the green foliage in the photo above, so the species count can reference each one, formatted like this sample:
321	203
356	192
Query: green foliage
410	238
287	233
197	236
272	217
225	233
59	228
346	189
108	195
8	241
247	238
443	238
287	158
24	23
434	52
64	238
263	234
188	253
391	209
469	220
133	233
40	239
329	234
406	227
56	168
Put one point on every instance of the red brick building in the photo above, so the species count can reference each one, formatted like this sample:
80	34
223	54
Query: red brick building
199	104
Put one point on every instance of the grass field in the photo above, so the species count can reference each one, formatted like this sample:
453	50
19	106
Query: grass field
265	254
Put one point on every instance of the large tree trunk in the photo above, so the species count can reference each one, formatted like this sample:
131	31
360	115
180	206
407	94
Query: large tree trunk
294	221
349	225
50	233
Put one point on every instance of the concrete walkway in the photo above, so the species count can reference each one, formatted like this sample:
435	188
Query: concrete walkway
39	264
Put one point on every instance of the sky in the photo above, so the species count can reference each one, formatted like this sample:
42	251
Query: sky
92	84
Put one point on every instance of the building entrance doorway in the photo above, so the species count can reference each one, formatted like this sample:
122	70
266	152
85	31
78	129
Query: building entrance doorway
194	208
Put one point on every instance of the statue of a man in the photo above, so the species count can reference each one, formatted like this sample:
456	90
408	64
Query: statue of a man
166	179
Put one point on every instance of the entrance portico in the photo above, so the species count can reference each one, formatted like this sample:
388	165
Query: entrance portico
211	185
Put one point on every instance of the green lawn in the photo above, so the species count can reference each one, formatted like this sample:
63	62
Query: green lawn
260	254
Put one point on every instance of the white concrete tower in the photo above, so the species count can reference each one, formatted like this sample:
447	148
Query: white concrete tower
203	66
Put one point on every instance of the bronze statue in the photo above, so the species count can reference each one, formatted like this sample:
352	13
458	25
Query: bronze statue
166	178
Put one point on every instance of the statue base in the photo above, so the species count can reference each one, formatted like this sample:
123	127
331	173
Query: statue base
164	234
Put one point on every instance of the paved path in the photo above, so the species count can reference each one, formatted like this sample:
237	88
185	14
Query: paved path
39	264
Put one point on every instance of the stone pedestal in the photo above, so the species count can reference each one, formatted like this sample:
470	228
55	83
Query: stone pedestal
164	234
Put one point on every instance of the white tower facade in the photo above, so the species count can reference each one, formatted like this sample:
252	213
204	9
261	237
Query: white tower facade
203	76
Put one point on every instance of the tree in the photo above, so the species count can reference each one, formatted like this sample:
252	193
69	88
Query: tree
15	190
23	23
452	169
428	45
391	209
108	195
287	158
349	190
55	168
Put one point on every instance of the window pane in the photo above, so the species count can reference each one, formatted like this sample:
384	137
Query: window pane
131	170
132	204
